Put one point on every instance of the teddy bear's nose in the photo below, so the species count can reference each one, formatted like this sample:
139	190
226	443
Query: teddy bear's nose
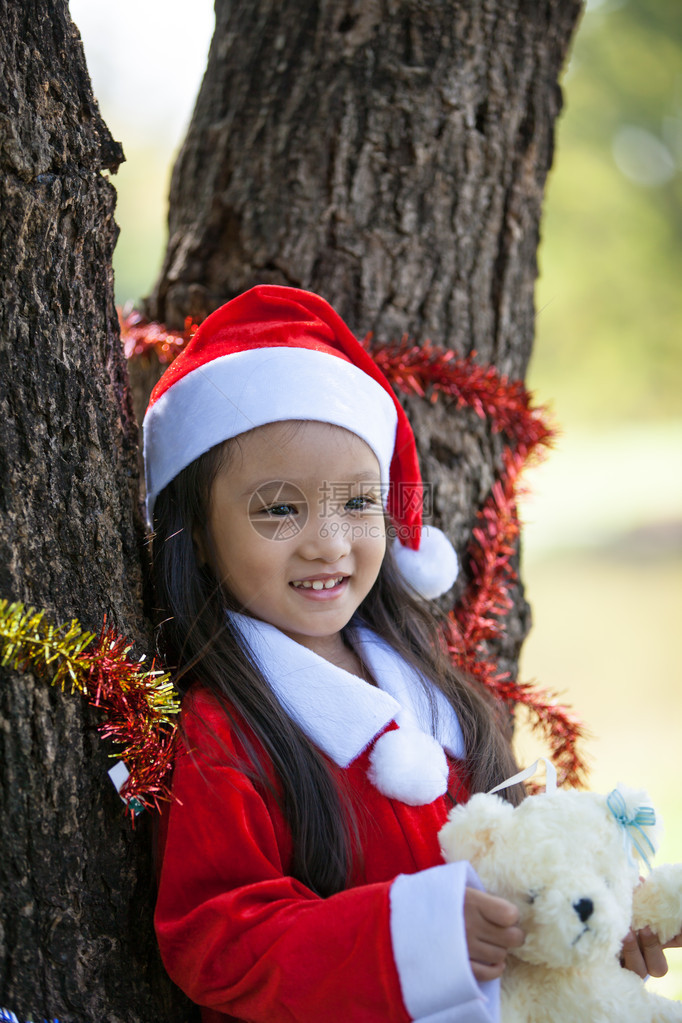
584	908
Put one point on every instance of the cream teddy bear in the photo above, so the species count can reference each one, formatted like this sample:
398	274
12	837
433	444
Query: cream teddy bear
566	859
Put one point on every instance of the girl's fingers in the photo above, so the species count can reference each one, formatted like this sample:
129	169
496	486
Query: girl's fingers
652	951
502	938
488	958
488	912
492	930
486	971
642	953
487	952
497	911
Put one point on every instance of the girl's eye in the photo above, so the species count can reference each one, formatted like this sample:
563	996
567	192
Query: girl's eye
363	502
280	510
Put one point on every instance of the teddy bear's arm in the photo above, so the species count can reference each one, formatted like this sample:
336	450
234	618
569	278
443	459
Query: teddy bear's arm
663	1010
657	903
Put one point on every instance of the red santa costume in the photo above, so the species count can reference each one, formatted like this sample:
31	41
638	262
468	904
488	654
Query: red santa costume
241	936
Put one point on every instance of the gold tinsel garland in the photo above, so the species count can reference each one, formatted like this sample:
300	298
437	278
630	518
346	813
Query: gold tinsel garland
138	703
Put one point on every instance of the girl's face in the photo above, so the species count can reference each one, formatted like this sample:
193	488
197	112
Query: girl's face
297	527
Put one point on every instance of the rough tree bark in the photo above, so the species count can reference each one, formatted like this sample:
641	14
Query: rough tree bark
392	155
75	925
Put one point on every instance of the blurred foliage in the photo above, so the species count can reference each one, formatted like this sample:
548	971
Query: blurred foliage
609	299
141	212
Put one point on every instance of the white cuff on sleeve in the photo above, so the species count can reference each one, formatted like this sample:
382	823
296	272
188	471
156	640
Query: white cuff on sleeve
430	949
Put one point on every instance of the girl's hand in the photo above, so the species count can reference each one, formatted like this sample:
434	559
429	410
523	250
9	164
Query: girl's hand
642	953
491	930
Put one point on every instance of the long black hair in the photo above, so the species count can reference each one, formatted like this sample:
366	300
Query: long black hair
197	643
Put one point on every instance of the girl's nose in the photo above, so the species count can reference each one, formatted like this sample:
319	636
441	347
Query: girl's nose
326	538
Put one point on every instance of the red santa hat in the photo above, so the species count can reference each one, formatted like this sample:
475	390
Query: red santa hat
275	354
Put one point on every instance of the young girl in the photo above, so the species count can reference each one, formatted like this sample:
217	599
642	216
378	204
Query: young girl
326	732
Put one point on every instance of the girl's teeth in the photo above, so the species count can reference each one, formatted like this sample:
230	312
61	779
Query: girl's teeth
319	584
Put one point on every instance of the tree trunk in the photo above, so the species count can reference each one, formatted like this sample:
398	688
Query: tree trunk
391	155
76	939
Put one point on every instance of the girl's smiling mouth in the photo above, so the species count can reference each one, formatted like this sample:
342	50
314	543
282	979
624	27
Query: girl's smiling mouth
326	582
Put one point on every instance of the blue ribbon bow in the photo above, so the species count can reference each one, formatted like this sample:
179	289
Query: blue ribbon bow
632	825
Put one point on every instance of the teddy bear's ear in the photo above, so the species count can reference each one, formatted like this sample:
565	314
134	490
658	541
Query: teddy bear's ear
473	828
641	825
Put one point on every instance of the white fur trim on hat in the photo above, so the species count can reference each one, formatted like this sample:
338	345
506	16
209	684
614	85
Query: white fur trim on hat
408	765
433	568
227	396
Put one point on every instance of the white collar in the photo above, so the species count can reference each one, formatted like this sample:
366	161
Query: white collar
341	713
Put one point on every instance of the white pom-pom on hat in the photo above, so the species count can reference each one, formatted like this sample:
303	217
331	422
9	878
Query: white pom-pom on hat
433	568
409	765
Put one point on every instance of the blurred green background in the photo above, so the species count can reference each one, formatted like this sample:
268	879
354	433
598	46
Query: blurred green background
603	533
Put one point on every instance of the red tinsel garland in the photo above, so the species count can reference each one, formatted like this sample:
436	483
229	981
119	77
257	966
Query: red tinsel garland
125	693
140	337
430	371
478	616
